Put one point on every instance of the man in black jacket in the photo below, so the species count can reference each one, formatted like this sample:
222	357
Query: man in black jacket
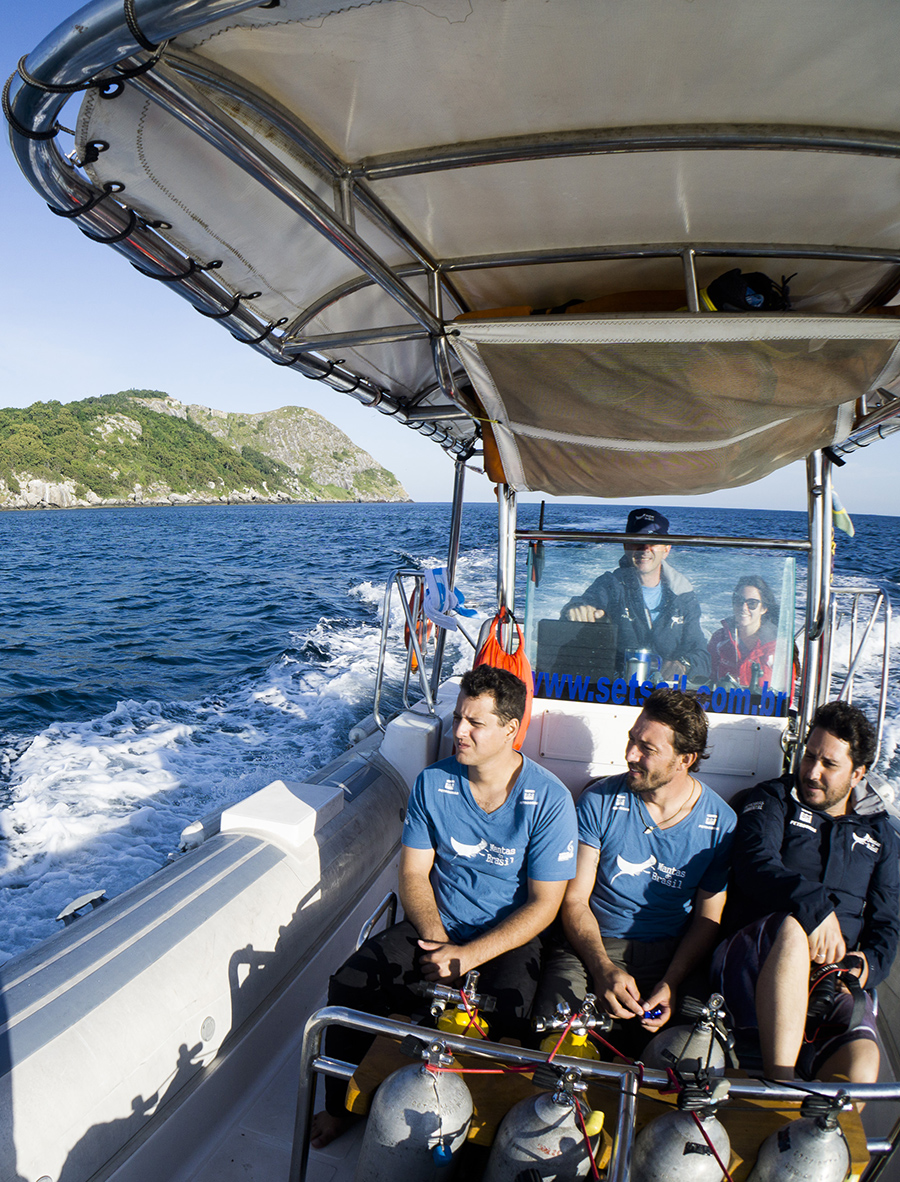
653	605
814	883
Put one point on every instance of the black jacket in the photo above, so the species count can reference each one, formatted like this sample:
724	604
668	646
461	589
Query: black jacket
675	635
788	857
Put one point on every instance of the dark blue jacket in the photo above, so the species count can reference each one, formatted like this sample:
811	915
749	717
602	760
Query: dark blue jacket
675	635
788	857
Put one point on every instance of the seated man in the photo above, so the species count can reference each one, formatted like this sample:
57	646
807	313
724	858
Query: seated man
654	605
643	909
815	880
488	845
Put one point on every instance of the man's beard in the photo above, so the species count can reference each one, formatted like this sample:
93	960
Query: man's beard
644	781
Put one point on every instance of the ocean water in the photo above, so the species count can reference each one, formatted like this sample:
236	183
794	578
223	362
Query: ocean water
157	664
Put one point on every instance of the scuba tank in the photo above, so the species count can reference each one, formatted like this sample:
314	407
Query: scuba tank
575	1044
418	1120
543	1132
673	1147
463	1018
703	1046
811	1149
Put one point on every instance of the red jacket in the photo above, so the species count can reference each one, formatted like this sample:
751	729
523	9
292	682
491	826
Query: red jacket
725	653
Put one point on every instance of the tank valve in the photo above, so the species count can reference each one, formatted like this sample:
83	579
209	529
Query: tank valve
575	1044
563	1082
433	1054
443	996
589	1017
458	1010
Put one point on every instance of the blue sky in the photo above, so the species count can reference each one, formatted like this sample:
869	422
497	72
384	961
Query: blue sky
78	320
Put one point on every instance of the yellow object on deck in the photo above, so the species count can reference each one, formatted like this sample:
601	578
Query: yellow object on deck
459	1021
576	1046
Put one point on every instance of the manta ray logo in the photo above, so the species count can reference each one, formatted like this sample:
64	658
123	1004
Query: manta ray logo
866	840
633	868
468	851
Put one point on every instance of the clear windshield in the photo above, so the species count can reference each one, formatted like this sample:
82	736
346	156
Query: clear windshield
605	624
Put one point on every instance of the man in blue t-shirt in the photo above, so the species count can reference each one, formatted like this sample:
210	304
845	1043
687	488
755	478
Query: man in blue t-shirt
488	847
644	908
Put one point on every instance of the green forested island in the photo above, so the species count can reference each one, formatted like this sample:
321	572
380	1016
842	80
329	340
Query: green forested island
143	447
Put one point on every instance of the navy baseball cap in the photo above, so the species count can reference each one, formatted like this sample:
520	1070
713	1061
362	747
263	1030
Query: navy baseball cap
646	521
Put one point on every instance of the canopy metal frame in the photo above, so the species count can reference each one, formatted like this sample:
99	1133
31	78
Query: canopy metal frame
101	41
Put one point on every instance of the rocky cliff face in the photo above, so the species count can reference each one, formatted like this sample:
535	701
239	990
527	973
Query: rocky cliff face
286	455
320	456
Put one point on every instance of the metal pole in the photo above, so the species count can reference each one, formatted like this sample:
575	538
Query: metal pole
506	547
817	583
620	1162
577	535
189	106
829	616
690	279
459	482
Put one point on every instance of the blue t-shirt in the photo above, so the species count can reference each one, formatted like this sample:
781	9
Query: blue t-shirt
652	599
482	861
646	882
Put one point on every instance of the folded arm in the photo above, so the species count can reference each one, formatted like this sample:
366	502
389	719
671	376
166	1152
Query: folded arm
416	894
442	960
445	961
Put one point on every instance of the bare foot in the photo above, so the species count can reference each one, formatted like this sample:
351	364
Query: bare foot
325	1128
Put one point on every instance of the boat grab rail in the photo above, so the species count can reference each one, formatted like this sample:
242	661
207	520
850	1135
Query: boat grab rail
574	535
881	604
629	1077
413	618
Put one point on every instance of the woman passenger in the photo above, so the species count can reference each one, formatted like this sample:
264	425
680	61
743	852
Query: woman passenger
748	636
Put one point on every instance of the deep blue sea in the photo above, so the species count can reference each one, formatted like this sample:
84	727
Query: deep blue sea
158	663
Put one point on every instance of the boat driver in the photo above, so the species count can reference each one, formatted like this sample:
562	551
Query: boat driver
814	883
487	849
642	913
654	605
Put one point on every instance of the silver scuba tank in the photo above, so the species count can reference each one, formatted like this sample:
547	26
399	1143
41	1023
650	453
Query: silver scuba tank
704	1043
542	1133
811	1149
418	1120
673	1146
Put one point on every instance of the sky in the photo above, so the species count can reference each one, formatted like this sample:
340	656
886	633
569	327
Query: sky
77	321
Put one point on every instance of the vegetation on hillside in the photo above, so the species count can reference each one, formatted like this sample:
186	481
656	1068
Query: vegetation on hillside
113	443
55	442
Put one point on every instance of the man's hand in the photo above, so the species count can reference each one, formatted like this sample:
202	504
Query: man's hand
442	962
826	942
585	614
660	999
671	670
617	991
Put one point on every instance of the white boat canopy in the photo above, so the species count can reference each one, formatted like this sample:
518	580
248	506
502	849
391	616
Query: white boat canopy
338	184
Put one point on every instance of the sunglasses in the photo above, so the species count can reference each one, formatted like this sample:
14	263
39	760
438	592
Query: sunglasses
753	604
